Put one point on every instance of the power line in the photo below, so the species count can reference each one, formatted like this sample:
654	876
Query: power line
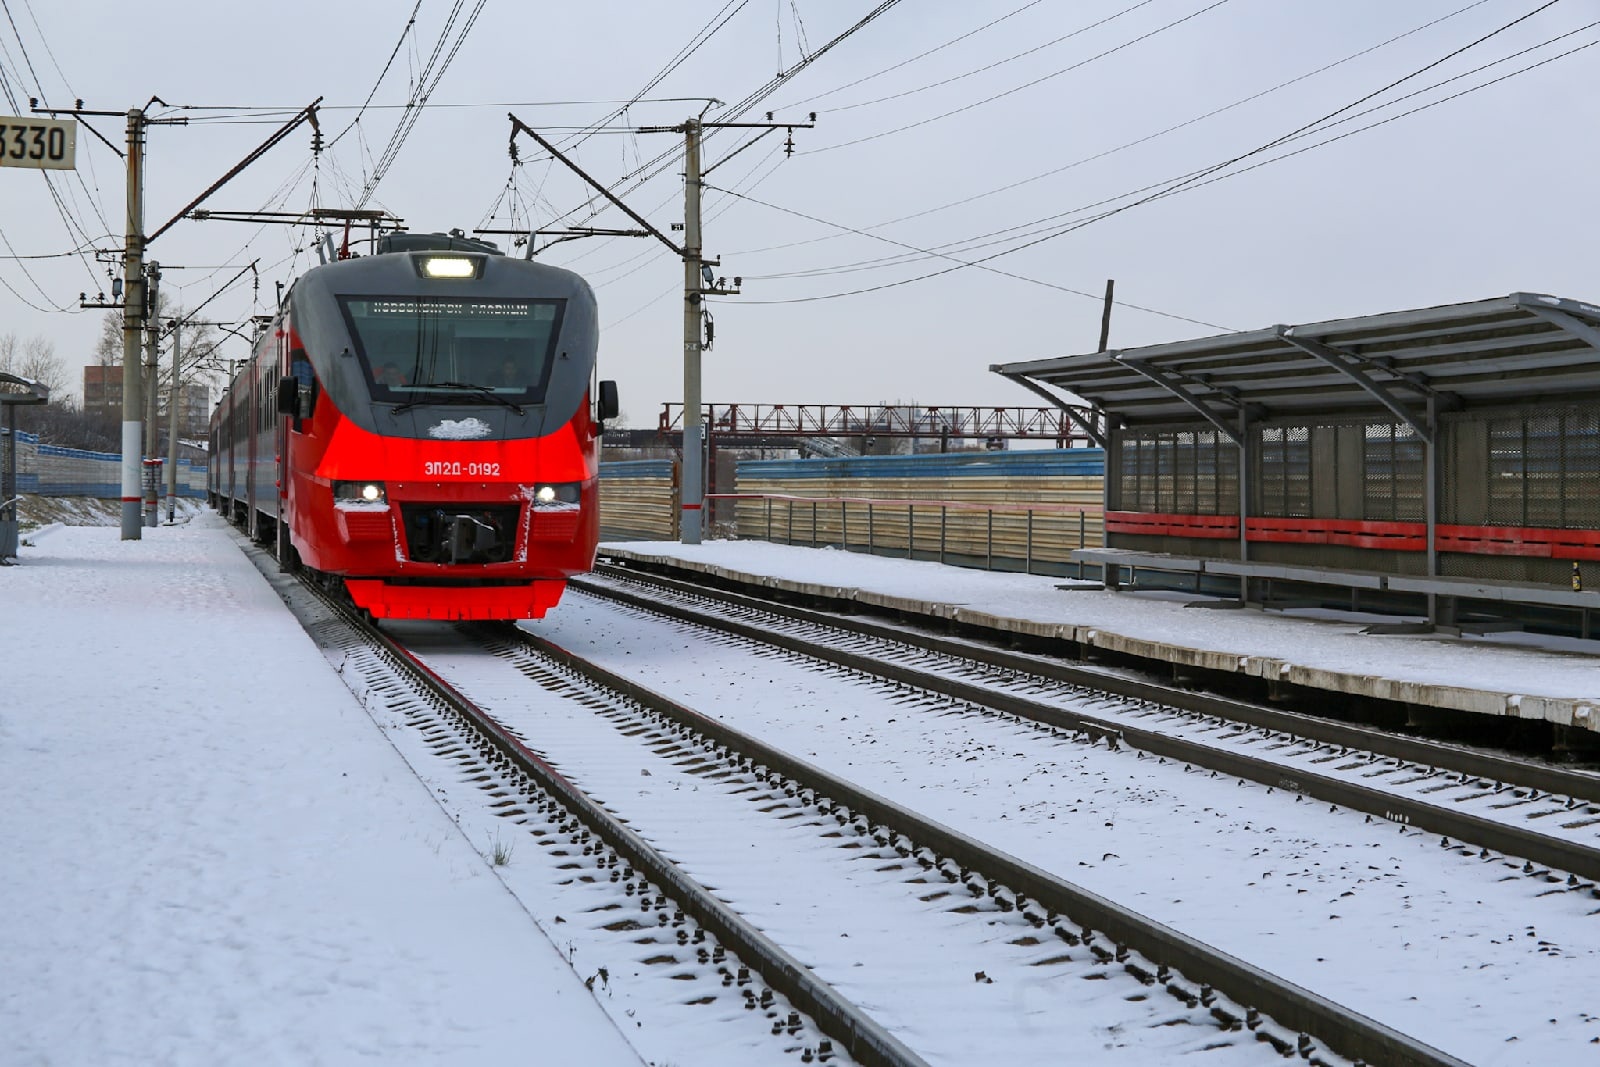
1038	225
1000	62
68	218
6	7
410	22
1194	179
643	174
427	82
920	56
925	253
1027	85
701	36
1136	142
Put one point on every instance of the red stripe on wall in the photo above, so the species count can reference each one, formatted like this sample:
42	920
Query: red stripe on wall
1535	542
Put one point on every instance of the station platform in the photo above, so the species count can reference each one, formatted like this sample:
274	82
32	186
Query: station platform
214	855
1514	675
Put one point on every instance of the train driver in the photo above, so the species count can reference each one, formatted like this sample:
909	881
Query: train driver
390	375
509	375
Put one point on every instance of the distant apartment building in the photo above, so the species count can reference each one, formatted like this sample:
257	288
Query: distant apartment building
102	391
102	395
194	410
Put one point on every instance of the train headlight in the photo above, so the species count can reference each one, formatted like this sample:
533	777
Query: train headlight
456	267
551	495
360	492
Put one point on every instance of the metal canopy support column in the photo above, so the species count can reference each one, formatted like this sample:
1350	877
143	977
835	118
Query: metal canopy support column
1352	366
10	400
1086	425
1171	384
1244	500
1431	480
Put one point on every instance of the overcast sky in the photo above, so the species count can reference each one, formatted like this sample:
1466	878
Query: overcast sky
924	107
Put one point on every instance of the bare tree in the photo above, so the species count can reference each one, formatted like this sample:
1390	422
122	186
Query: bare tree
108	349
35	359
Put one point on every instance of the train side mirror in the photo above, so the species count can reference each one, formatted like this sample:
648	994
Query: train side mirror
608	406
288	396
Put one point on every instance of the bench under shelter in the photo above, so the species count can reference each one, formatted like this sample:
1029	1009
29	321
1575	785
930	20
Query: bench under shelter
1441	463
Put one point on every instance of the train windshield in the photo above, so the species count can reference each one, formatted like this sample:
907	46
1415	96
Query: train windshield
451	350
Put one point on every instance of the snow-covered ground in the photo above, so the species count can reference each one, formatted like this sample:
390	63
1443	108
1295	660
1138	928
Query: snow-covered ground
211	854
1466	954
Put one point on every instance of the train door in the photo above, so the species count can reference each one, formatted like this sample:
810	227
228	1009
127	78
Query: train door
232	423
280	435
247	447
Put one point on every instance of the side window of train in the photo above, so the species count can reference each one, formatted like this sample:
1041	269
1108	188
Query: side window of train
300	371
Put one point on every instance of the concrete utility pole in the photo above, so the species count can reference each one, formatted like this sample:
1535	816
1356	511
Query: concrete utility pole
152	354
694	453
174	396
697	284
133	295
133	307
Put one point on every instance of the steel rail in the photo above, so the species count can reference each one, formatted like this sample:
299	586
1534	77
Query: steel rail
1546	778
1576	859
851	1029
1346	1032
857	1033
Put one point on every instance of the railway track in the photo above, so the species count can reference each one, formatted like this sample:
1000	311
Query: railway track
1545	816
1446	899
664	956
953	898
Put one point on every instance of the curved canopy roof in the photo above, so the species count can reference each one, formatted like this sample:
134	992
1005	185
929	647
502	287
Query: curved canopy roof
1506	349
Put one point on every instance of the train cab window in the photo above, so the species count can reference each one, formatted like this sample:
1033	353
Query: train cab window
452	350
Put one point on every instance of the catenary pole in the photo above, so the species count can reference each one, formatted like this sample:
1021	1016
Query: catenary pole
133	310
174	395
696	287
152	352
693	446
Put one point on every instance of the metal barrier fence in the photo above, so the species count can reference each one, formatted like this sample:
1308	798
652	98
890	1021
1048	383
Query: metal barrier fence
639	500
1005	536
1013	511
49	470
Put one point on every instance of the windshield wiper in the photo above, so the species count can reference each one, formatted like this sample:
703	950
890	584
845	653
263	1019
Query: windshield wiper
478	390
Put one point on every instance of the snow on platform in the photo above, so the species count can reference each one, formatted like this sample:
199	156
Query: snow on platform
212	855
1515	675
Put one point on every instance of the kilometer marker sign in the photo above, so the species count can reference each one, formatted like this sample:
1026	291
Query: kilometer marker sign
38	144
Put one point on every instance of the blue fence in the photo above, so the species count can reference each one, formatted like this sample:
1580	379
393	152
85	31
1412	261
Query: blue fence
49	470
1043	463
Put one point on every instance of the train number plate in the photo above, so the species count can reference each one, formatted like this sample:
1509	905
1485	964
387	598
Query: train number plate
455	468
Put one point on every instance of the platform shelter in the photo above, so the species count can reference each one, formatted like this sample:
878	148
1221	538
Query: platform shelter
1444	459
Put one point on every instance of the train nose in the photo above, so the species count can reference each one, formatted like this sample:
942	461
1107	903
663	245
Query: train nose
441	533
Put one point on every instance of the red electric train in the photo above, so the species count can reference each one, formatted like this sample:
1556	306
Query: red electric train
421	427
